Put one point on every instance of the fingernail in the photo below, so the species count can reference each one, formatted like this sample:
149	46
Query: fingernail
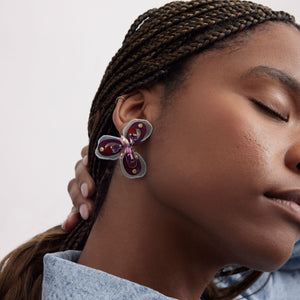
84	190
83	210
85	160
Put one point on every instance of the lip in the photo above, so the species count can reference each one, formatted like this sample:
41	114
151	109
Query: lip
289	195
288	199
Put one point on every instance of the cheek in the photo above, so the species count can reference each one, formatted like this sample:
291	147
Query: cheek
212	169
198	154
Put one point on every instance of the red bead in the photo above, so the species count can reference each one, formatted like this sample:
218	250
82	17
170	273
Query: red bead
108	149
131	131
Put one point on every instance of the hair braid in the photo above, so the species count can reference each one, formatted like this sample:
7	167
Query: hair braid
139	49
155	26
156	41
78	235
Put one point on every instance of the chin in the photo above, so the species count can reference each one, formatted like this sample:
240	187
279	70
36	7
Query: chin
273	257
264	251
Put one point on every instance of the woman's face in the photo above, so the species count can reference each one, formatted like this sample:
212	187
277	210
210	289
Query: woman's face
231	137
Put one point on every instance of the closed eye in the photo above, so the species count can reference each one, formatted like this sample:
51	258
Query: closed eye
270	111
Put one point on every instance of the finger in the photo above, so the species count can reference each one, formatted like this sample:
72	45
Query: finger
82	205
85	161
71	221
84	151
76	195
84	180
84	211
70	185
77	163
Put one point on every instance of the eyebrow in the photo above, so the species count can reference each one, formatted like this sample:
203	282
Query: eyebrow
285	79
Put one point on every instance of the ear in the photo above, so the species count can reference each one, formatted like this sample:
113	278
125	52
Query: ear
141	104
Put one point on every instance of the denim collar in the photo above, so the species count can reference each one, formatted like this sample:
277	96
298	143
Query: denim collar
65	279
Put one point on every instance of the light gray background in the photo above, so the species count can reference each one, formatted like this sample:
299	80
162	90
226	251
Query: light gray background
52	57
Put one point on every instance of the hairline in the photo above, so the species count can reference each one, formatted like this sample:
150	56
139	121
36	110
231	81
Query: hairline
227	46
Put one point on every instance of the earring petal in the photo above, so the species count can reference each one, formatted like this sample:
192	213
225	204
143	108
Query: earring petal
133	167
108	147
137	130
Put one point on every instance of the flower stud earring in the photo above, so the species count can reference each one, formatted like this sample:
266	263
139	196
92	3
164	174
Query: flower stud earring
112	148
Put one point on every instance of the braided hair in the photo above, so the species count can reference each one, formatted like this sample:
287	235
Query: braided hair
158	42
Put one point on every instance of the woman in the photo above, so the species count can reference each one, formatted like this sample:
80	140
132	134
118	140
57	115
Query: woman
283	284
219	82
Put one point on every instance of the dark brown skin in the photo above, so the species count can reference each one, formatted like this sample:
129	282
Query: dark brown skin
212	156
80	189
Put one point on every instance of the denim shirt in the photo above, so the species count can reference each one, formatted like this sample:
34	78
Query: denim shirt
65	279
283	284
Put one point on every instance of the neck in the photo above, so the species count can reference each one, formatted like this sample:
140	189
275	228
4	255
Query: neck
139	239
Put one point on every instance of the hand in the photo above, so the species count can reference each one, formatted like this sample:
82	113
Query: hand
80	189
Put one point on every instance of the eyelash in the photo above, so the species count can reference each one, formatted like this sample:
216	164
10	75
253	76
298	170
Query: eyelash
270	111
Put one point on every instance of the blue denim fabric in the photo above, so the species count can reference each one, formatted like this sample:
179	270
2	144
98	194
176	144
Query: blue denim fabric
64	279
283	284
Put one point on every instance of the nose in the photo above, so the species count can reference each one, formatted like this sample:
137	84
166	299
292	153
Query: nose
292	158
